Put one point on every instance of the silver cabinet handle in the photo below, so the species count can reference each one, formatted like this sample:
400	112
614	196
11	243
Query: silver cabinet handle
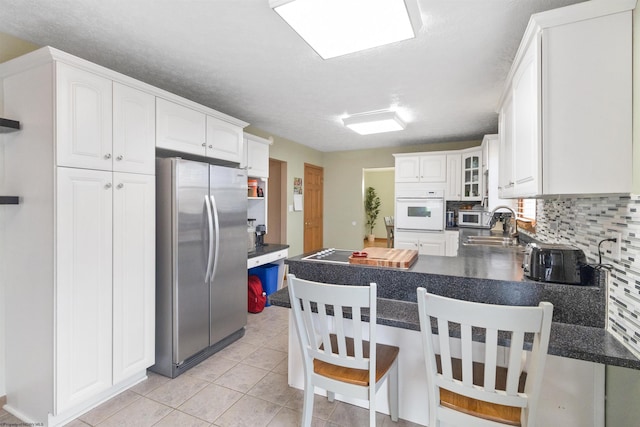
210	146
204	144
119	158
120	185
107	185
107	156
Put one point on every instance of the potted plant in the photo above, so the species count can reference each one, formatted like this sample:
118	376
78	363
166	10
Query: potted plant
371	210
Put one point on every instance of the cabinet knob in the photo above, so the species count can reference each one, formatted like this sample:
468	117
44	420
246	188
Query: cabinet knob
107	156
107	185
120	185
204	144
119	157
210	146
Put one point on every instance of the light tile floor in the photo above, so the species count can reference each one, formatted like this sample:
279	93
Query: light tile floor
243	385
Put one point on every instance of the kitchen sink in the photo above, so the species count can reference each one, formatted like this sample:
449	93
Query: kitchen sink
490	241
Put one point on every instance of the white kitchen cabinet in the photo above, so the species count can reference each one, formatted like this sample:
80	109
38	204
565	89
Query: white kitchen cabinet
491	154
88	276
421	168
566	111
84	118
257	156
452	241
471	166
83	300
134	130
179	128
424	242
225	141
453	188
134	266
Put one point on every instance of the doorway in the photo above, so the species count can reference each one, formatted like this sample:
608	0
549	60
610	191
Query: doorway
277	203
383	181
313	207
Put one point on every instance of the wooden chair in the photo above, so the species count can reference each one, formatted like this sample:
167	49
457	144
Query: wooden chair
332	359
388	223
476	390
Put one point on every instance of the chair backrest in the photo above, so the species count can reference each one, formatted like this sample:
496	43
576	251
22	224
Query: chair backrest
388	221
494	322
319	311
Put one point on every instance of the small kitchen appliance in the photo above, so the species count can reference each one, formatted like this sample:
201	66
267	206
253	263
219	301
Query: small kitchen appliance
251	235
474	218
261	230
553	263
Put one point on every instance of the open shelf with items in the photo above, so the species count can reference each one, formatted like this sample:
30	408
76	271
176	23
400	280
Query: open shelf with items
7	125
257	205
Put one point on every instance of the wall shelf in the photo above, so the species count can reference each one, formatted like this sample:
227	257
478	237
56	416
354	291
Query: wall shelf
9	200
7	125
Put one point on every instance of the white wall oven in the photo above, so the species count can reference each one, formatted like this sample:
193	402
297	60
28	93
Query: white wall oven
421	213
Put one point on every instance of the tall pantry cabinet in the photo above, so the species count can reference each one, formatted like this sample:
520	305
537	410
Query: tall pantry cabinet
79	249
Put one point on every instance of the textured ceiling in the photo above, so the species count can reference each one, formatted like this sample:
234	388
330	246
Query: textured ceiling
239	57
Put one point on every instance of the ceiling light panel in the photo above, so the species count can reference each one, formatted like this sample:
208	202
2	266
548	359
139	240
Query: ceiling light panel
374	122
338	27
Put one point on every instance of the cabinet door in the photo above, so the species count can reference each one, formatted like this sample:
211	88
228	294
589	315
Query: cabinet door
407	169
83	119
433	168
180	128
83	316
435	246
526	119
472	175
133	274
134	130
454	186
224	140
505	156
257	158
452	242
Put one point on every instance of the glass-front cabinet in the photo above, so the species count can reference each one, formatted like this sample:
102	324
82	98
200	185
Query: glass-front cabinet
472	175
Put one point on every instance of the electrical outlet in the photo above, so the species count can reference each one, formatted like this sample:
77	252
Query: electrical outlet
616	247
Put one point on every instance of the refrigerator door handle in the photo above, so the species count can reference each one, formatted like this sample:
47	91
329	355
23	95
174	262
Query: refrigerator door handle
208	274
216	222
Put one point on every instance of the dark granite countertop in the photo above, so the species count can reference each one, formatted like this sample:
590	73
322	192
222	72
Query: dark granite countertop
266	249
486	274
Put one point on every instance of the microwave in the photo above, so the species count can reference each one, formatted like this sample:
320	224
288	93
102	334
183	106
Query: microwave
474	218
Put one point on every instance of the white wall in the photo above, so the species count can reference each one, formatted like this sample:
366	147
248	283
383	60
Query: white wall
10	47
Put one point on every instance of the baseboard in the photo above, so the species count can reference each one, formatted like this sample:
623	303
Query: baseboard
3	401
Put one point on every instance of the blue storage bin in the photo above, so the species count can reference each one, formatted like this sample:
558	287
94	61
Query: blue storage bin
268	275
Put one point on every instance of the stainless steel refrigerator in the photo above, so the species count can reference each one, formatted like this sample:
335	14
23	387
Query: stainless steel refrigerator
201	270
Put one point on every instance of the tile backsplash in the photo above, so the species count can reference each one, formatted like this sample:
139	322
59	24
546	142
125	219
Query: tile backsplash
584	222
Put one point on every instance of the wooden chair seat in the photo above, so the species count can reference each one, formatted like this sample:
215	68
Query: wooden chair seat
386	356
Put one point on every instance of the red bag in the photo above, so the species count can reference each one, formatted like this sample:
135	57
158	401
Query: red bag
257	296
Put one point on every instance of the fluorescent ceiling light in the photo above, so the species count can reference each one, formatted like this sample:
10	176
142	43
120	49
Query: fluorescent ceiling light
337	27
374	122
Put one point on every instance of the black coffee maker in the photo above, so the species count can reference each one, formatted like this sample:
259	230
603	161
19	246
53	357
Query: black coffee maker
260	232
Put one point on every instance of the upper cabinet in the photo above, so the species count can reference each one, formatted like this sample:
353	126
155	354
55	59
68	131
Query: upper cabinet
421	168
224	140
453	189
472	175
180	128
188	130
257	156
565	114
84	119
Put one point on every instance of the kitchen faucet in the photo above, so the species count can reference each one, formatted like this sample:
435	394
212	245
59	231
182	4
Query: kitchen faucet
513	230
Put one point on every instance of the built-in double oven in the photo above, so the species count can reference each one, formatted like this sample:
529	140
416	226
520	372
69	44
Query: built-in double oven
420	210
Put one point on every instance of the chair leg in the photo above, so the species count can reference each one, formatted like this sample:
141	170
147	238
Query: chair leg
393	391
331	396
372	406
307	405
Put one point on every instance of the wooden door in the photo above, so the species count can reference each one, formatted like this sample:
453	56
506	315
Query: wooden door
313	207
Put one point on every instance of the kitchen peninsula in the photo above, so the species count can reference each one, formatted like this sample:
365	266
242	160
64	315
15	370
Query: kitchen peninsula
579	348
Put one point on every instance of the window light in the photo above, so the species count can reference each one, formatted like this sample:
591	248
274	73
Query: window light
374	122
338	27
